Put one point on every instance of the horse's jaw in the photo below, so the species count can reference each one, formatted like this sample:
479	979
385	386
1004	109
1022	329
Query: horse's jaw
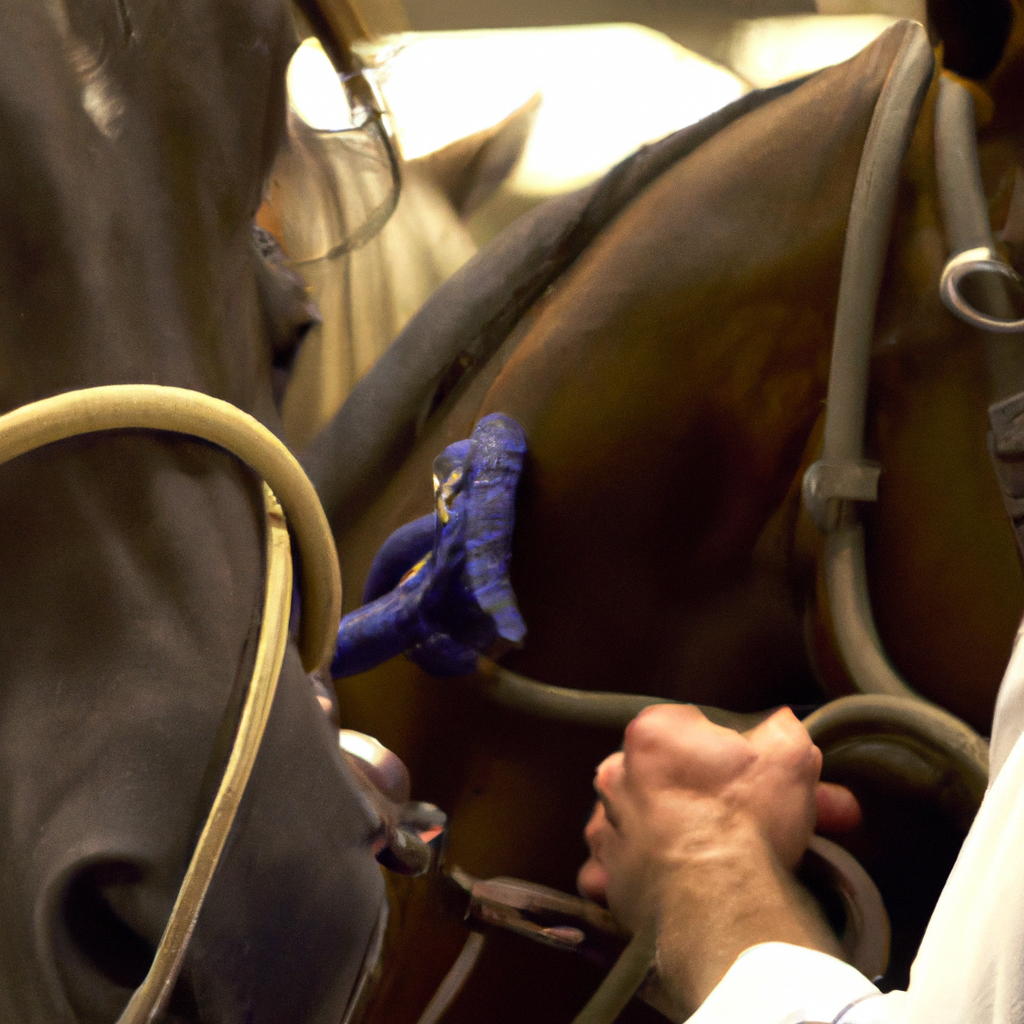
290	915
131	567
117	720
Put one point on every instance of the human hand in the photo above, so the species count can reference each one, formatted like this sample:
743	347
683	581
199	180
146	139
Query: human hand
697	830
678	770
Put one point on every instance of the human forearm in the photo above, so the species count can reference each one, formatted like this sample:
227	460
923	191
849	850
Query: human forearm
710	916
695	838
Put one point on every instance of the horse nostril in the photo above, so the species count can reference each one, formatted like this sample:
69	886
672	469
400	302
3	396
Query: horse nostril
115	950
112	952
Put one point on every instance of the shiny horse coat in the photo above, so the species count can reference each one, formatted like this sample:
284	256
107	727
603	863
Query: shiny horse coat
136	138
664	339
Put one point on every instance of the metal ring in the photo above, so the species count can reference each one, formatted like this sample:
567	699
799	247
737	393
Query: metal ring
981	260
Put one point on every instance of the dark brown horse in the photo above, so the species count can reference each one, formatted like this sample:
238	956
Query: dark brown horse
136	137
664	339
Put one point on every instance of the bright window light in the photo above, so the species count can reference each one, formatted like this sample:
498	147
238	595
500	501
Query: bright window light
315	91
606	89
770	50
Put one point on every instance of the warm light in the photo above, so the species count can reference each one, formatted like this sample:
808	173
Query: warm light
315	91
607	89
914	9
770	50
358	744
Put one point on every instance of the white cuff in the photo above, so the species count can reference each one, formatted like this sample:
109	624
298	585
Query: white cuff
777	983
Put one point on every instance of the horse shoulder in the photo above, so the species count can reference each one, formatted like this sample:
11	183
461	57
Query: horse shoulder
668	387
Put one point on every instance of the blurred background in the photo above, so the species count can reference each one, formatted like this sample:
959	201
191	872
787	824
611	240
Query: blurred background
496	107
610	75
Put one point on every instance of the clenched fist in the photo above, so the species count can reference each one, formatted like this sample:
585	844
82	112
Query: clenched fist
696	833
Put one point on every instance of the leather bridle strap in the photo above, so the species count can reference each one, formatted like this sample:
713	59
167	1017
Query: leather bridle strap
149	999
841	477
151	407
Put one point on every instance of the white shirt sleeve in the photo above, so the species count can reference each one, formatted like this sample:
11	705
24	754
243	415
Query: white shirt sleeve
776	983
970	967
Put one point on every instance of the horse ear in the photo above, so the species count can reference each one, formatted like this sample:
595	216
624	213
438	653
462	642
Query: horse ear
469	170
974	33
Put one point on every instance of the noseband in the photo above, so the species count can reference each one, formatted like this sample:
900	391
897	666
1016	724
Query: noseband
286	487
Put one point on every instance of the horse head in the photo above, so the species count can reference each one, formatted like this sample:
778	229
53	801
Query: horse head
137	137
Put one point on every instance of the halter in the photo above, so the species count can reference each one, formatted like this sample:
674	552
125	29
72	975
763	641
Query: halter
152	407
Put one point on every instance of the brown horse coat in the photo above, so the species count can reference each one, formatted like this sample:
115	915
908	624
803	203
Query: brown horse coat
671	381
669	385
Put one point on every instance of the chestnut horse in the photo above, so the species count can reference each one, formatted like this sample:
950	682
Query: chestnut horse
664	339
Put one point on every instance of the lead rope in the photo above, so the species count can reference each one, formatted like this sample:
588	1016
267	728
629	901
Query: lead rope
152	407
628	973
180	411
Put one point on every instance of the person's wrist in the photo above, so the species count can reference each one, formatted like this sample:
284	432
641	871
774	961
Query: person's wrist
721	904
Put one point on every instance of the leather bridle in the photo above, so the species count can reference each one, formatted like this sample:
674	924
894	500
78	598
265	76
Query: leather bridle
286	488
